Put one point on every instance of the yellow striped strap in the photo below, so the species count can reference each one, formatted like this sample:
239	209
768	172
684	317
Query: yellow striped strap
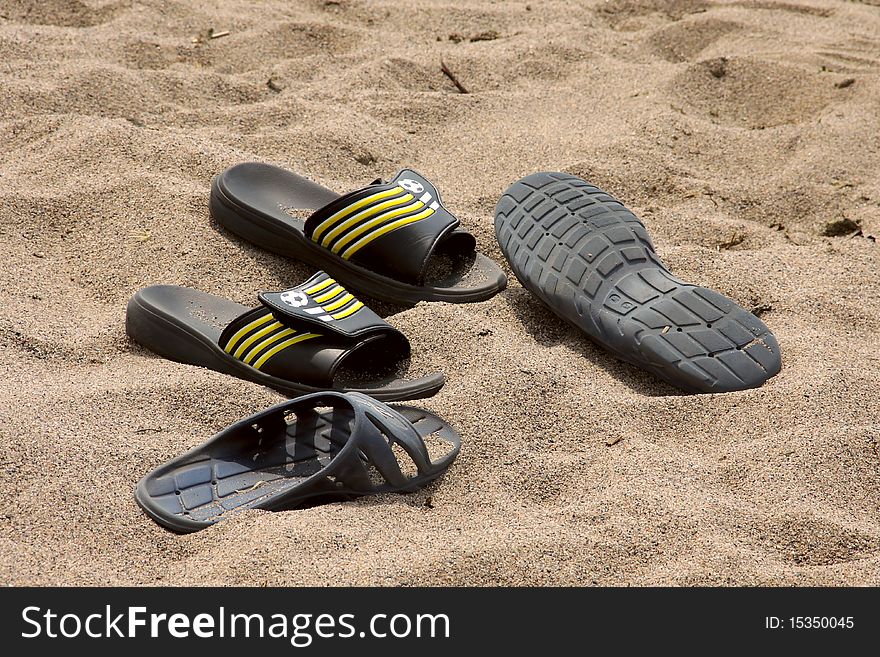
390	229
282	346
329	309
280	338
362	216
247	328
364	203
385	229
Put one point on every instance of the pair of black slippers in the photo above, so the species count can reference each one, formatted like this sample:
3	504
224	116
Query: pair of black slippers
575	247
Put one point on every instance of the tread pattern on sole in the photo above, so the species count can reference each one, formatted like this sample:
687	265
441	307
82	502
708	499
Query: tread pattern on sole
211	487
295	453
592	261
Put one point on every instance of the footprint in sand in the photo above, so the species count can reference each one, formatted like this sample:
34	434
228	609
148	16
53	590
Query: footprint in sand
752	93
802	539
62	13
634	15
685	40
248	50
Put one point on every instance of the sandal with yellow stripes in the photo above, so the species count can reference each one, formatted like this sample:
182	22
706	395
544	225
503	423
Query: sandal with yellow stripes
393	241
315	336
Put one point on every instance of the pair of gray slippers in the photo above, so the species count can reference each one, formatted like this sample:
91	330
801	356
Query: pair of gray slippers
576	248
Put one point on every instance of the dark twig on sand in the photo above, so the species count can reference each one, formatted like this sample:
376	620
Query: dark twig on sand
449	74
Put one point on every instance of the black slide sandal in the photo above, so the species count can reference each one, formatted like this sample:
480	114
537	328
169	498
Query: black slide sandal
592	262
315	336
392	241
321	447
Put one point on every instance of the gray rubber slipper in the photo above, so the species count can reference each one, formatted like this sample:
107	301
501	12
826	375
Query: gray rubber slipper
325	446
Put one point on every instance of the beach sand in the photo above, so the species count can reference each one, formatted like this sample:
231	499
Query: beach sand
744	133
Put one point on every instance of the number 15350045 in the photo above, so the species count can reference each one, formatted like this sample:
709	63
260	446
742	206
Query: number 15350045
809	623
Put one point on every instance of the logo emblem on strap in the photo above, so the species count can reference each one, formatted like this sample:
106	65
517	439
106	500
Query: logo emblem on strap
295	298
411	185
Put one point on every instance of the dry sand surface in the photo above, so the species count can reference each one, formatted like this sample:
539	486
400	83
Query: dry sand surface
744	133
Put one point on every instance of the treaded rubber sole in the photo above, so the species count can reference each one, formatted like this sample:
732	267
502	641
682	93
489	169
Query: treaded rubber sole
592	262
273	237
272	469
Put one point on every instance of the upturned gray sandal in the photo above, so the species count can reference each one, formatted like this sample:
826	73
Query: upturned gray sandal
324	446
